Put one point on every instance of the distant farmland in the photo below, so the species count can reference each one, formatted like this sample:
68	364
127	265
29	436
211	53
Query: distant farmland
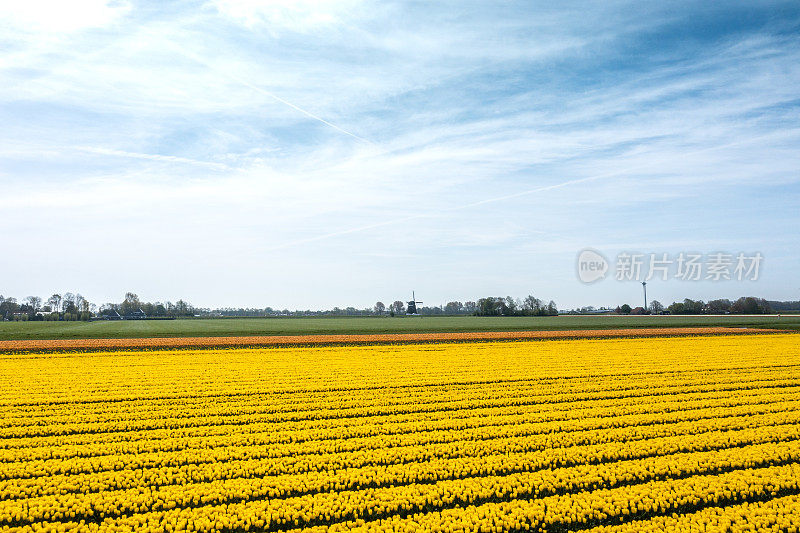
369	325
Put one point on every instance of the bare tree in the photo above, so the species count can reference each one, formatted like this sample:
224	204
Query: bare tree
68	303
453	308
511	305
399	307
185	308
532	305
131	298
379	308
55	302
79	302
130	303
35	302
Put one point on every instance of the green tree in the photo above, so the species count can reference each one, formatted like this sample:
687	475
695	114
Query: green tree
719	307
676	308
750	305
693	307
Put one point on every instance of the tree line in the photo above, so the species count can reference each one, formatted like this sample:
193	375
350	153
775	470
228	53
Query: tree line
398	307
489	306
746	305
131	306
508	306
58	307
73	307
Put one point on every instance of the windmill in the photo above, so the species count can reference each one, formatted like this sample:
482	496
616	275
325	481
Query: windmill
412	305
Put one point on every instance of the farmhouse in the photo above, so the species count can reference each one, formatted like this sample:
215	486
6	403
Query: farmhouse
110	314
135	315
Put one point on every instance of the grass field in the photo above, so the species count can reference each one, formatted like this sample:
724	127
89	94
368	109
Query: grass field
323	326
627	435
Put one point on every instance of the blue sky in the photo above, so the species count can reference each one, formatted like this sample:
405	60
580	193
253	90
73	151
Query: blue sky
309	154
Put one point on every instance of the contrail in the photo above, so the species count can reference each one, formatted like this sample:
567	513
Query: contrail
432	215
153	157
300	109
494	199
265	92
351	230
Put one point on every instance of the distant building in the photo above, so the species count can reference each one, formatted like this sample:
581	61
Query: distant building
135	315
110	314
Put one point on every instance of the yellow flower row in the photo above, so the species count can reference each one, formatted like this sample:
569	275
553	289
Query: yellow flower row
321	415
108	376
586	508
293	432
491	436
253	461
779	514
565	500
384	449
214	483
528	391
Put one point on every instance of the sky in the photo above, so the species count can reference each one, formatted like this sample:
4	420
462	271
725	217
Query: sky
309	154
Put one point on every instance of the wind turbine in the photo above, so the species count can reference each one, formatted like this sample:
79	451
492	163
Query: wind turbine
644	287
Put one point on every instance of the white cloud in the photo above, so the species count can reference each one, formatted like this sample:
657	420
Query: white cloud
54	16
288	15
171	130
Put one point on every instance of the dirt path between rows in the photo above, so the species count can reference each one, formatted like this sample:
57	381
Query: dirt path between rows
384	338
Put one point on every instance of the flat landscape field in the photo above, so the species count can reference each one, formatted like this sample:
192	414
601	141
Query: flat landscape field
631	434
235	327
41	345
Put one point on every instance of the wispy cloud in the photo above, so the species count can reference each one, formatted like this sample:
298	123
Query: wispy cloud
153	157
279	16
303	133
44	17
275	97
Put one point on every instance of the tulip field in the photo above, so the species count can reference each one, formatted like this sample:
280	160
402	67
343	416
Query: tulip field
697	433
